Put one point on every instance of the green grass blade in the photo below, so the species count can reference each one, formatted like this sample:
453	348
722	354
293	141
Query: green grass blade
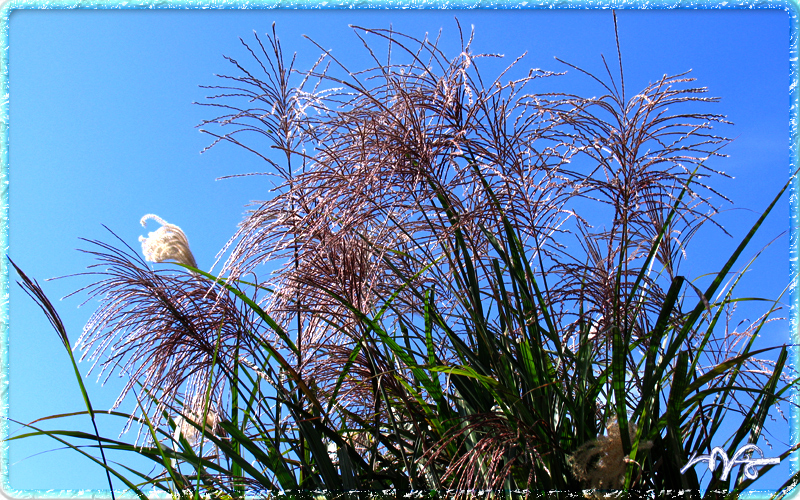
54	435
34	291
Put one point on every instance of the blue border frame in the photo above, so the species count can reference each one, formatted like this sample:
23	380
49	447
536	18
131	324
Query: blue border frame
791	6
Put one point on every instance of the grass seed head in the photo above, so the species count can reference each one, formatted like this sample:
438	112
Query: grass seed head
601	463
168	242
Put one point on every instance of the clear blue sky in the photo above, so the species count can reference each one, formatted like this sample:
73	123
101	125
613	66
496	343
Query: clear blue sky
102	131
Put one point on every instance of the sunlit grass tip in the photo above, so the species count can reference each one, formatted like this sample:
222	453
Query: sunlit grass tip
168	242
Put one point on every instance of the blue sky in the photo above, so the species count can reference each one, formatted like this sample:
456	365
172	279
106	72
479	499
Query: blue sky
102	131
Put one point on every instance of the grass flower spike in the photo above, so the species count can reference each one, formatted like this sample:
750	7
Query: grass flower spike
601	463
168	242
191	433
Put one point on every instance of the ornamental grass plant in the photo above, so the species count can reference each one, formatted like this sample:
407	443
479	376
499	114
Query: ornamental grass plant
477	289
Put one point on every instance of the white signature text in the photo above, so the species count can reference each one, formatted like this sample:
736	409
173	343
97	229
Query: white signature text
728	464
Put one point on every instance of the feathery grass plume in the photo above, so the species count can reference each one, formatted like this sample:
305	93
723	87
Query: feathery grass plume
387	145
601	463
418	127
190	432
191	427
161	329
419	174
492	449
636	159
168	242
